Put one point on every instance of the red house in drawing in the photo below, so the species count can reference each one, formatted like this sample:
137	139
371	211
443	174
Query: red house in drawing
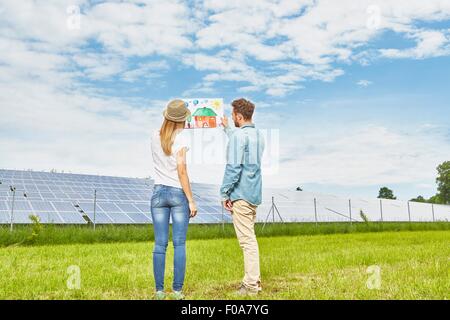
205	118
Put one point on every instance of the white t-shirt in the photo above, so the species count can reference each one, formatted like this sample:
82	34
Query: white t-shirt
166	166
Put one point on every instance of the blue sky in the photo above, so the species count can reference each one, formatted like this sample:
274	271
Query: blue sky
357	91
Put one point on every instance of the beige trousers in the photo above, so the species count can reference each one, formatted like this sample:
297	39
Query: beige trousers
244	217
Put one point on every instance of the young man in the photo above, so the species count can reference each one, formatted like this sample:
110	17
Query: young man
241	187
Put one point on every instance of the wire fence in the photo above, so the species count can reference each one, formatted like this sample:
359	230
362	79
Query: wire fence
310	207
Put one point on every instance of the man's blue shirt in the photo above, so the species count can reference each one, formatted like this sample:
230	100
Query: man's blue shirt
242	178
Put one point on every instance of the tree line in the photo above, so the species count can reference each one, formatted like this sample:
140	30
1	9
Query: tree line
443	188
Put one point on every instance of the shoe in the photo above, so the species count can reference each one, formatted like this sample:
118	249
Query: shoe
160	295
259	286
177	295
244	291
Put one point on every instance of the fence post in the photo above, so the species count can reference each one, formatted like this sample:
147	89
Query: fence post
223	220
350	209
95	205
409	212
13	189
381	209
432	210
315	210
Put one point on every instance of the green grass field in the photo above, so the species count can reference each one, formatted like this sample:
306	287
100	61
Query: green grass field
413	264
70	234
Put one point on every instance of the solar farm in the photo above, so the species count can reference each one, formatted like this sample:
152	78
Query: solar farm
324	250
63	198
59	198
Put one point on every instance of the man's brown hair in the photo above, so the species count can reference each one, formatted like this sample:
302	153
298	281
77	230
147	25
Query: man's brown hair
244	107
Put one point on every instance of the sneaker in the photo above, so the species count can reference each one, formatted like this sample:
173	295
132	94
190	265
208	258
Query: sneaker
259	286
160	295
244	291
177	295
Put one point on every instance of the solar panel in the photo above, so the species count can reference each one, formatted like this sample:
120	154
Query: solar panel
127	207
139	217
43	188
48	195
49	217
135	198
227	218
3	206
87	196
4	217
35	195
72	218
214	218
61	195
63	206
21	205
100	217
197	219
30	188
127	200
22	217
74	195
120	217
107	207
208	209
207	218
441	213
42	206
123	197
143	207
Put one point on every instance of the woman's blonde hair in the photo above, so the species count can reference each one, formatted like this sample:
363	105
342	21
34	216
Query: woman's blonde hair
168	132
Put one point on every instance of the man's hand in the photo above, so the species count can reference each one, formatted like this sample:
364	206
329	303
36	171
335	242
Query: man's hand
224	121
227	204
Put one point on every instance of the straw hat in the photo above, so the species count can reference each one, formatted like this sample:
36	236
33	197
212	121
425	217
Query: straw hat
176	111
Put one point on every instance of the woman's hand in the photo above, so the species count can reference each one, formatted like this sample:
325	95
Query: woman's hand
184	181
192	208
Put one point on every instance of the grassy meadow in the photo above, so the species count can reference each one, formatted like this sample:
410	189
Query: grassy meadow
298	261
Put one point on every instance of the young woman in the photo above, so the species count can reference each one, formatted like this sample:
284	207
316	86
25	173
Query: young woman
172	196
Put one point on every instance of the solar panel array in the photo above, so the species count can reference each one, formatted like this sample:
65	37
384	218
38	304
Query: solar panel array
62	198
295	206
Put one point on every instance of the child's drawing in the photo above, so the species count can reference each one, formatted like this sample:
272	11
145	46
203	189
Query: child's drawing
205	113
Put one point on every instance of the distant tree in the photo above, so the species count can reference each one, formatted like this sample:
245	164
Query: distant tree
443	181
435	199
386	193
419	199
299	189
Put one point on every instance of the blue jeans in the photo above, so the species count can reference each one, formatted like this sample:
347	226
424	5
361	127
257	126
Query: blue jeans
169	201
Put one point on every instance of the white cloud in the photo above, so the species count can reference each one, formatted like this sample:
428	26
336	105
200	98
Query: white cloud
97	66
156	27
311	35
429	44
364	83
200	88
222	40
145	71
75	131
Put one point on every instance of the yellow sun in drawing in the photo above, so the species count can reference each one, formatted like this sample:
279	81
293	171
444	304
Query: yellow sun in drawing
216	104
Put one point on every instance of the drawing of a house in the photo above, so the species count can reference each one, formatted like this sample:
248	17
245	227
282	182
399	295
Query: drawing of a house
205	118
